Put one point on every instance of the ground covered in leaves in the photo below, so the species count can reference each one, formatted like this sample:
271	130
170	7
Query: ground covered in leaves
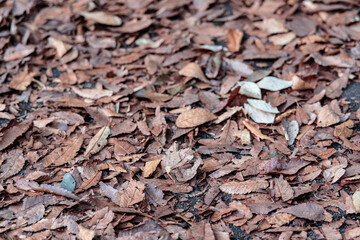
191	119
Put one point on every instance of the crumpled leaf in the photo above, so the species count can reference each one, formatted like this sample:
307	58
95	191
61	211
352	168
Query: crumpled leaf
193	70
273	83
234	38
250	89
92	93
244	187
310	210
259	116
15	161
98	141
103	18
291	129
63	155
194	117
21	81
60	46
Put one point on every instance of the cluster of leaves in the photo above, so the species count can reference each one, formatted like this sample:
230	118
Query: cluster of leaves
202	119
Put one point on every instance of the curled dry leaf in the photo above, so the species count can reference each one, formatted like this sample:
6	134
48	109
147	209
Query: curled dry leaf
194	117
244	187
234	38
64	154
98	141
255	131
21	81
60	46
273	83
291	130
92	93
103	18
193	70
250	89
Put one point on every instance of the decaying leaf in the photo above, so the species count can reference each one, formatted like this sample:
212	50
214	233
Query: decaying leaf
244	187
98	141
194	117
150	167
21	81
103	18
11	133
64	154
18	52
285	189
327	117
193	70
92	93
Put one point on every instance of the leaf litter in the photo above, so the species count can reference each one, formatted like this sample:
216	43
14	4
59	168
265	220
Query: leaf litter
179	120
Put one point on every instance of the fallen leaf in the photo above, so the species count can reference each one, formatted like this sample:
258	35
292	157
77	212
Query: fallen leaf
255	131
193	70
86	234
291	130
91	181
244	187
103	18
356	200
262	105
271	25
56	190
92	93
14	162
282	39
340	60
213	65
61	47
98	141
309	210
152	95
63	155
194	117
273	83
279	219
12	132
21	81
239	67
250	89
18	52
135	25
150	167
299	84
285	189
344	129
259	116
327	117
234	38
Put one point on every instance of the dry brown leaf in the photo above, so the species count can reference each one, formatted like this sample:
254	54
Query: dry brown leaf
245	137
239	67
103	18
193	70
21	81
61	47
280	219
194	117
12	132
271	25
244	187
257	133
134	193
135	25
327	117
14	162
86	234
122	148
213	65
234	38
153	95
64	154
98	141
282	39
150	167
344	129
356	200
56	190
299	84
18	52
340	60
285	189
92	93
311	211
92	181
